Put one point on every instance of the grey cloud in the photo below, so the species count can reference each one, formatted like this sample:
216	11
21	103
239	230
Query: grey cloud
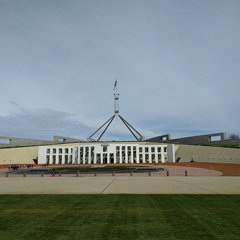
177	63
42	124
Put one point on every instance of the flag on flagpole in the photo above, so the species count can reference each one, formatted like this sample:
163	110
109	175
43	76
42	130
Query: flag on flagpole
115	85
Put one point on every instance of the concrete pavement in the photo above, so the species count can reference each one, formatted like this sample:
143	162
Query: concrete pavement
121	185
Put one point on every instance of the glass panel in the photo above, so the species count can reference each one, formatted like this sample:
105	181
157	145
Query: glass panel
153	158
54	159
47	159
147	158
105	158
66	159
60	159
104	148
98	158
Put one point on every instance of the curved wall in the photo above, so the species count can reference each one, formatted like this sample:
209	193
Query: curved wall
22	155
208	154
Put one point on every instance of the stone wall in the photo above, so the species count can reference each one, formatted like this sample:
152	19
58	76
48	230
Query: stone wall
22	155
207	154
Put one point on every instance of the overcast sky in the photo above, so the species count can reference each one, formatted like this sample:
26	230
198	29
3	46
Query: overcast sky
177	63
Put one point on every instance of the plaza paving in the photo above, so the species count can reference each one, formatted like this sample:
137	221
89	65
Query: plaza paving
198	181
120	184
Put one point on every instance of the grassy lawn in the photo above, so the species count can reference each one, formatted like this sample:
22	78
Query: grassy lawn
119	217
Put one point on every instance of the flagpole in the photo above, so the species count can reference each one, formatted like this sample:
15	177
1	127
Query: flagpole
116	100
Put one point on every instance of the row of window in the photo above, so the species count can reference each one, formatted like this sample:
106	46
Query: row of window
105	149
105	158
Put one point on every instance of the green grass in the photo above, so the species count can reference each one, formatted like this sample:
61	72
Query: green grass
119	217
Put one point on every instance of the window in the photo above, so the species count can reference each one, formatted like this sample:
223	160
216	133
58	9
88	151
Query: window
66	150
105	158
147	158
146	149
54	150
98	158
47	159
118	150
54	159
60	150
215	138
86	152
140	149
152	149
153	158
48	150
60	159
159	149
66	159
81	150
165	149
105	148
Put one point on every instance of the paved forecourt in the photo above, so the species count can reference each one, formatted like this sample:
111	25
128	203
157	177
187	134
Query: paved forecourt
121	185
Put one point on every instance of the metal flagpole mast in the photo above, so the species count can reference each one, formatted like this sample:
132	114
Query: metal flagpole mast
116	114
116	100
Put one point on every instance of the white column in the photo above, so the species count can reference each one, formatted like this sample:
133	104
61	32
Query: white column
73	155
57	153
79	154
69	155
131	154
95	157
150	154
143	154
162	154
120	152
83	154
137	154
89	154
115	155
51	156
171	153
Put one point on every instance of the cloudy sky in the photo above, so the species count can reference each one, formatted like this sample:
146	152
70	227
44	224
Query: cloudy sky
177	63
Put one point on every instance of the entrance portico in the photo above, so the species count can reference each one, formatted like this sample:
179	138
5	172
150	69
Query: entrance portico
106	153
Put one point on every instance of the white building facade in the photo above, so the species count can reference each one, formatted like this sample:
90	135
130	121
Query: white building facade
106	153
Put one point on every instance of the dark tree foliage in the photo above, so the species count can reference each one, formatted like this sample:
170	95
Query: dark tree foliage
233	136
